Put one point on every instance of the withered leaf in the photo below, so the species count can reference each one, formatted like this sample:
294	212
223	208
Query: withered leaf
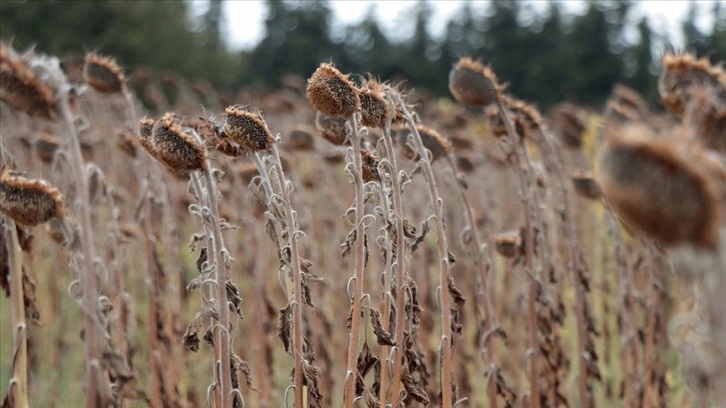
366	362
234	298
284	327
459	297
347	245
311	378
503	390
25	238
31	306
307	298
116	366
423	230
201	259
209	337
242	366
414	390
384	338
191	336
4	269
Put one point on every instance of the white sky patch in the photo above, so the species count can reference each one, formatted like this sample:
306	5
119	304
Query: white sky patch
245	18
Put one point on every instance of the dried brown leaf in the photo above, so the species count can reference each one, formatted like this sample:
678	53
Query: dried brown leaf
385	338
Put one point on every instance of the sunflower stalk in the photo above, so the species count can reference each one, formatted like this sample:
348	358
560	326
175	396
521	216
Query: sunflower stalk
446	346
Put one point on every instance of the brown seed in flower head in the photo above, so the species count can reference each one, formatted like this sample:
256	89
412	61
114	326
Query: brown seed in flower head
663	186
247	129
474	84
332	129
103	74
680	73
46	145
20	87
28	202
174	148
332	93
374	108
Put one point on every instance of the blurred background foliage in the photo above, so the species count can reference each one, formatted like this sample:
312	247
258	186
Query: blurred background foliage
546	57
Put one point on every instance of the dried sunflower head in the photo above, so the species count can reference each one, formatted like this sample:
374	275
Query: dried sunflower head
474	84
28	201
332	93
247	129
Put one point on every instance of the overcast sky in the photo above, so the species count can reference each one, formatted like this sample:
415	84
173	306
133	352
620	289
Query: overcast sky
244	18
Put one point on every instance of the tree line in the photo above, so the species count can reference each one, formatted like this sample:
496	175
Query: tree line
545	57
